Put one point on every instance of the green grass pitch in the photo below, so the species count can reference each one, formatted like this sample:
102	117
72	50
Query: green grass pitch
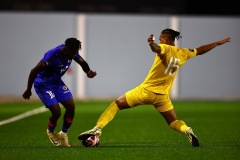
134	134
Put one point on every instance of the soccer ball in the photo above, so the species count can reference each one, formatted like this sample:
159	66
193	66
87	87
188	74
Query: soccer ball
92	141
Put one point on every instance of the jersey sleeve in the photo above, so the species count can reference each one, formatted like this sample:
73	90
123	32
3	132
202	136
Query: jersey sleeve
190	52
77	56
50	54
47	58
185	54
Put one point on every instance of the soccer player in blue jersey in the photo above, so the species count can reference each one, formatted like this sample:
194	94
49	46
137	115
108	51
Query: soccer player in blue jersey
155	89
46	77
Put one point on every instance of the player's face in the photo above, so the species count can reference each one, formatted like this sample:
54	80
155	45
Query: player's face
162	39
71	53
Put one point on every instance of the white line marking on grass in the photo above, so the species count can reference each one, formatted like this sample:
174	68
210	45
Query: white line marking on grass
24	115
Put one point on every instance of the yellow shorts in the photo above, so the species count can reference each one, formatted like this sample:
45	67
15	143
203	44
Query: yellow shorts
139	96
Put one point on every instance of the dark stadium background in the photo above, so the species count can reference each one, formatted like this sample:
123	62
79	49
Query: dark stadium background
184	7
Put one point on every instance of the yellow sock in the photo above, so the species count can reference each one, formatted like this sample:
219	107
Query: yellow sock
107	115
179	126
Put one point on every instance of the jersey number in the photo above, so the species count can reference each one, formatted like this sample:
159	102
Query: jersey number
172	66
51	94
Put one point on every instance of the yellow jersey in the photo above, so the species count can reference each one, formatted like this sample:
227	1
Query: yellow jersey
163	71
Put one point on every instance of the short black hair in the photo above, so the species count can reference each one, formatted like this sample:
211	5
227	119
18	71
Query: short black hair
171	33
73	43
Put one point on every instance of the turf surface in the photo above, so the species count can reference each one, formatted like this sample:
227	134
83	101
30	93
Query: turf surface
134	134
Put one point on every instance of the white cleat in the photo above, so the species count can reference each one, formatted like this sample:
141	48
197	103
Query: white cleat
53	138
192	137
95	131
63	137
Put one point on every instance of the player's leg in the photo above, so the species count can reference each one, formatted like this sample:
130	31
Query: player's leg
55	114
132	98
65	97
68	115
180	126
171	119
49	100
52	123
119	104
67	121
106	117
164	106
128	100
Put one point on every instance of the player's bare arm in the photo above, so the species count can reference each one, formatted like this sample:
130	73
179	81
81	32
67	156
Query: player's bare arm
154	47
86	67
33	74
205	48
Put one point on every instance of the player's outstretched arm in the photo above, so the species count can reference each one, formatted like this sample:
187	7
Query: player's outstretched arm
33	74
205	48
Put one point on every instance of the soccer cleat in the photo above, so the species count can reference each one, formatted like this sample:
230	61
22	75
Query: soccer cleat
53	138
63	137
95	131
192	137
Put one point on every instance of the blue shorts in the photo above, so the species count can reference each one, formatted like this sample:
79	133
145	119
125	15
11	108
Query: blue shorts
51	94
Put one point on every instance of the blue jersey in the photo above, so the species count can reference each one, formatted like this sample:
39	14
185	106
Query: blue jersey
57	66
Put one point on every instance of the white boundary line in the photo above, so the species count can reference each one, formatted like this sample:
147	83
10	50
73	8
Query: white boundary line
24	115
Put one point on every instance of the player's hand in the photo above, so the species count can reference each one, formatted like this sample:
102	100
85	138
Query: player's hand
27	94
91	74
228	39
150	39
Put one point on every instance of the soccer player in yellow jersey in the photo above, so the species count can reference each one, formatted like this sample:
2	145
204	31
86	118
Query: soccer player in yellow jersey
156	87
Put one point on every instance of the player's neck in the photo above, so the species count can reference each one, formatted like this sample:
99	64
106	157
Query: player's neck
62	52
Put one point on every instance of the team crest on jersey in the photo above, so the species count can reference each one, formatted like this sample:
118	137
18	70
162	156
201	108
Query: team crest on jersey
191	50
65	88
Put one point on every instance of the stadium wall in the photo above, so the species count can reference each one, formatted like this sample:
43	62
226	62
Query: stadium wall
115	46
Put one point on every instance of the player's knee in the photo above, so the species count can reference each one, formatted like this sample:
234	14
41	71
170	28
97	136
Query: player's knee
121	104
56	115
